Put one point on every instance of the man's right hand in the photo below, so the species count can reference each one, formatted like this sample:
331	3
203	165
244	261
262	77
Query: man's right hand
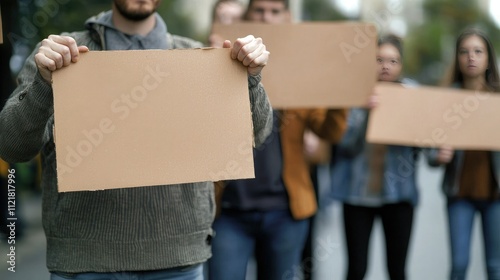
55	53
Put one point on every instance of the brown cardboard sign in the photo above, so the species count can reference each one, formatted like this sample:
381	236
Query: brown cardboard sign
314	64
435	116
157	117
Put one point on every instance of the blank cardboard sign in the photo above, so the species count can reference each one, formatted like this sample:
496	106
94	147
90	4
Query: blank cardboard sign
314	64
144	118
434	116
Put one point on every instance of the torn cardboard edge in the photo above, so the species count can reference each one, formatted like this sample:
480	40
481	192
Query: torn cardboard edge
204	95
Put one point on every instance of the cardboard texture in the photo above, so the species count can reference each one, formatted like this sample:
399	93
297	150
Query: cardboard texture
314	64
144	118
435	116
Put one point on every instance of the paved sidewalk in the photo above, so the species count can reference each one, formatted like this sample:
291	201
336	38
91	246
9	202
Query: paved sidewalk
30	248
429	251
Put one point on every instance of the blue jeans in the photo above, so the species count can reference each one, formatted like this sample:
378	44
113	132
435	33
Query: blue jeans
194	272
461	214
276	239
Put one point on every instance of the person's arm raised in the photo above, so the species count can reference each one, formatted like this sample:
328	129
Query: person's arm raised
252	53
57	52
24	120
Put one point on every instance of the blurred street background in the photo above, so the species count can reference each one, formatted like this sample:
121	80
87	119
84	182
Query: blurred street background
429	29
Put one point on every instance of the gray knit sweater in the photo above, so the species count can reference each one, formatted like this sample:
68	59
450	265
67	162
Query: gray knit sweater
132	229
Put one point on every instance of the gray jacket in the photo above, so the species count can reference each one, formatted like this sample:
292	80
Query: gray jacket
133	229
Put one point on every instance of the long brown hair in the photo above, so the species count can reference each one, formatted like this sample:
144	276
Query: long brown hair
491	74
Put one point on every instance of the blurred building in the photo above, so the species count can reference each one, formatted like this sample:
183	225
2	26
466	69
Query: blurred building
392	16
397	16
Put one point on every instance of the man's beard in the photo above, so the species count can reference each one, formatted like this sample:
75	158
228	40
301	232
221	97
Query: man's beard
133	15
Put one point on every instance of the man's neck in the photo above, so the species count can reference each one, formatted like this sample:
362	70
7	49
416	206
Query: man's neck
130	27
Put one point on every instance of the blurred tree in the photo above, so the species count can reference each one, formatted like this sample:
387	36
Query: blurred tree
430	47
320	10
8	10
40	18
177	22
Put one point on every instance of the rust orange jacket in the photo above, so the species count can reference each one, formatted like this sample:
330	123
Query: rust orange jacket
327	124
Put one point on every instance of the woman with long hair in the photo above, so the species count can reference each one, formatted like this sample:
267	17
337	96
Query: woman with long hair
471	180
375	181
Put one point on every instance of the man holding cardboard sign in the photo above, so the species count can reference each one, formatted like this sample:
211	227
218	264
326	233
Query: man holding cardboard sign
160	232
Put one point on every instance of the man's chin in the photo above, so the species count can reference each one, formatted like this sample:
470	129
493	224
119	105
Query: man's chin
137	16
139	13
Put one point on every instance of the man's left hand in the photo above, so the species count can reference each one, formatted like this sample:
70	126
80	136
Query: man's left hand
251	52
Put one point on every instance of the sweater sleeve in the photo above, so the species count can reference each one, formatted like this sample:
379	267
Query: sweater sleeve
262	115
24	118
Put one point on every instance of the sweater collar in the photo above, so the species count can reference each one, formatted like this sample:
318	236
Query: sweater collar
116	40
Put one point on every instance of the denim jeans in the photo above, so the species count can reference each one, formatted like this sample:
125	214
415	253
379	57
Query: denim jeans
194	272
461	213
276	239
